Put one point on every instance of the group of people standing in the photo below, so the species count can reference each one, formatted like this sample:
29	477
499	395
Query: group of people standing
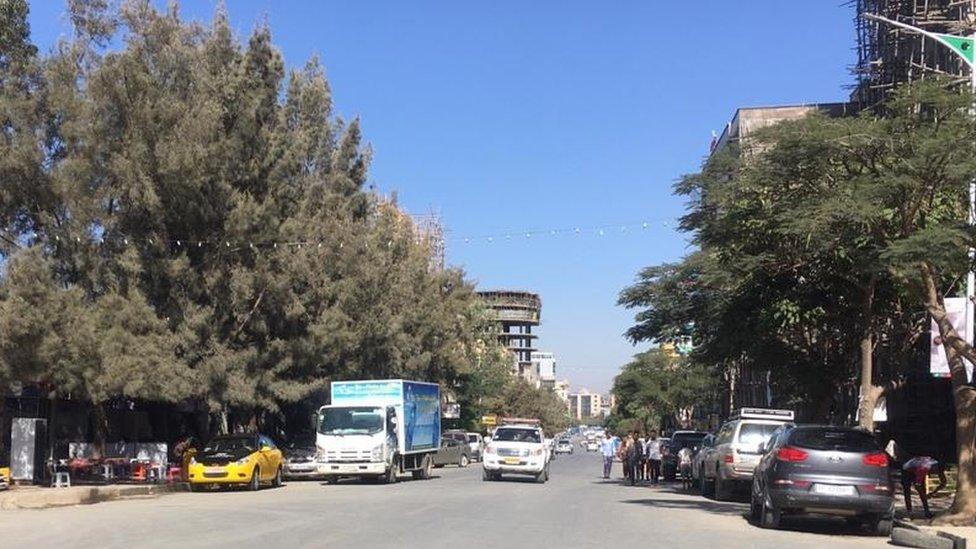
641	457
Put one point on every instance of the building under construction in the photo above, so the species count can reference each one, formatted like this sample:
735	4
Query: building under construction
516	313
889	56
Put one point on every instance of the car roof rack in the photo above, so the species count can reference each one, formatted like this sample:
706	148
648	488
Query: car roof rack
763	413
513	421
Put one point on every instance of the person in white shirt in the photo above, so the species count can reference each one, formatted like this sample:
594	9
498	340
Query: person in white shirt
608	448
652	449
685	456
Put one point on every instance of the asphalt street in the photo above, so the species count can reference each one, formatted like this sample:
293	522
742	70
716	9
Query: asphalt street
576	508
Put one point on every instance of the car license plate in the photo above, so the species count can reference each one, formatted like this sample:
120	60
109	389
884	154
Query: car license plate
214	470
833	490
512	461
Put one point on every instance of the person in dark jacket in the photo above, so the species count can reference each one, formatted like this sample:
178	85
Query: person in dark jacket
635	458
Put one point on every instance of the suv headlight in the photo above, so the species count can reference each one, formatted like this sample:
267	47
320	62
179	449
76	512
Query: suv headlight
243	460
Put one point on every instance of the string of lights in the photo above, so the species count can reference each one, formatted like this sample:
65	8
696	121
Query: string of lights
236	245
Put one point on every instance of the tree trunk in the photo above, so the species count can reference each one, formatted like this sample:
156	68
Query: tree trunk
101	428
869	392
963	508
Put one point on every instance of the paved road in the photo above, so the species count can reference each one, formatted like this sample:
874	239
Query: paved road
457	509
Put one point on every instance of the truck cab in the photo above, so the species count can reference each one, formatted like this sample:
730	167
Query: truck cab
378	429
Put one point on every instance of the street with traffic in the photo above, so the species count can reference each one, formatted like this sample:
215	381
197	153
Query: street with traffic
455	508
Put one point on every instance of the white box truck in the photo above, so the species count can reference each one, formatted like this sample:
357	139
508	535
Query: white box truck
379	429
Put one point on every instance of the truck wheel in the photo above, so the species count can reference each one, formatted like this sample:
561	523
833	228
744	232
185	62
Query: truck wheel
464	461
391	474
426	466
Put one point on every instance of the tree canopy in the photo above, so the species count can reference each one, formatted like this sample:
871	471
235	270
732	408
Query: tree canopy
183	218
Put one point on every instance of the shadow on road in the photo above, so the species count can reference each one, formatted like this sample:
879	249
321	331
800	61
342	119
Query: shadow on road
716	507
828	526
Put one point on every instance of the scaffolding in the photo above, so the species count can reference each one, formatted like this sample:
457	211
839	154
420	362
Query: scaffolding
888	56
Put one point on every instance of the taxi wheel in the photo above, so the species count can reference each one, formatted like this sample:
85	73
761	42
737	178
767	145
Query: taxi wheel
255	483
277	480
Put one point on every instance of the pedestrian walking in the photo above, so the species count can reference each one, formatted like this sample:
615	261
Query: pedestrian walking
642	464
635	454
653	451
684	466
623	452
608	449
916	471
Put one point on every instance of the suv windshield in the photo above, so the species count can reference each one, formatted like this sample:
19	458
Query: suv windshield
841	440
472	438
751	435
365	420
517	435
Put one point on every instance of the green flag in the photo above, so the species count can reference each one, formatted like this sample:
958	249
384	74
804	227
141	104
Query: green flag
959	44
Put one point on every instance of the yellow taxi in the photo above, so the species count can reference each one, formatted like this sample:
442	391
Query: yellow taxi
245	459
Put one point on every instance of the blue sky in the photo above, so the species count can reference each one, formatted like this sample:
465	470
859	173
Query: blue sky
507	117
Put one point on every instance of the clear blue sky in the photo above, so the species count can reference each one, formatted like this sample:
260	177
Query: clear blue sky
510	116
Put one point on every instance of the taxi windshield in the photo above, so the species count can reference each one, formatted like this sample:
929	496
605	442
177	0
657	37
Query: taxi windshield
229	444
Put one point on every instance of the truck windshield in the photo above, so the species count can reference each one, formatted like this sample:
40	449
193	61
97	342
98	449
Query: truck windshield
351	421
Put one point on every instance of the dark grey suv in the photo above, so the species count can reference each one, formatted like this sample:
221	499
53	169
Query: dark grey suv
823	470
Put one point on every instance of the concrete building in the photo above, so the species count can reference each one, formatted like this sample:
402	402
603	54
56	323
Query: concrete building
584	405
544	365
516	313
747	120
561	388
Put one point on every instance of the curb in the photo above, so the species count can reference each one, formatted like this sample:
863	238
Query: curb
48	498
909	535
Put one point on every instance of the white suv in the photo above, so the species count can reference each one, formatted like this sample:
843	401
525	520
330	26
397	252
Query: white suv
517	450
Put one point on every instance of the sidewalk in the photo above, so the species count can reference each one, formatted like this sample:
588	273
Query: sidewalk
37	497
937	504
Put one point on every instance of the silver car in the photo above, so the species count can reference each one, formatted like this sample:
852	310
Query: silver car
729	464
823	470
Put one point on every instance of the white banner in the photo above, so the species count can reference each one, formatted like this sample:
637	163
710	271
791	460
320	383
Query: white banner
938	364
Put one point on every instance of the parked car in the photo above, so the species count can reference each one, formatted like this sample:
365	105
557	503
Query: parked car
517	449
736	452
299	458
452	452
823	470
701	457
247	459
592	446
679	440
564	446
477	446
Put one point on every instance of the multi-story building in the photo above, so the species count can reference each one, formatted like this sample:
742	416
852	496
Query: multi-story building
544	365
515	314
561	388
584	405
